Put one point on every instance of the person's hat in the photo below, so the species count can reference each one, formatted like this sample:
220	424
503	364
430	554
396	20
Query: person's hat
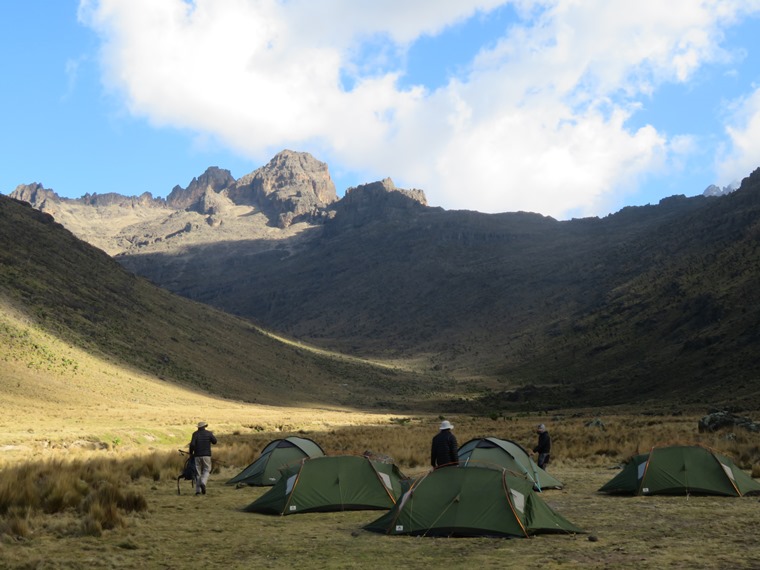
446	424
541	428
202	424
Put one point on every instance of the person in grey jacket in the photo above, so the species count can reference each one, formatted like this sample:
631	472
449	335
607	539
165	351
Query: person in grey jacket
200	448
544	446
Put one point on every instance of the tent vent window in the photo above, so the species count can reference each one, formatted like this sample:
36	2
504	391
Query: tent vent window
386	480
289	486
519	500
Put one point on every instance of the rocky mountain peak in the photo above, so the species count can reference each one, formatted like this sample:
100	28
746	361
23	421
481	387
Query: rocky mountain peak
715	190
294	190
293	186
214	179
34	193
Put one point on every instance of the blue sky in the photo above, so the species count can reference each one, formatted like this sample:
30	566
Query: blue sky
553	106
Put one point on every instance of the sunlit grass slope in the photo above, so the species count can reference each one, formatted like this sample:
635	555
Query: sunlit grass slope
66	306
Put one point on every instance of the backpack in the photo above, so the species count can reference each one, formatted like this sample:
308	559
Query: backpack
189	472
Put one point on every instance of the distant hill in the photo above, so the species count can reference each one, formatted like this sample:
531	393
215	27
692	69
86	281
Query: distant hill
652	305
82	297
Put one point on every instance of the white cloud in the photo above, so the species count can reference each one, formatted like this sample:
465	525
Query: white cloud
741	157
539	123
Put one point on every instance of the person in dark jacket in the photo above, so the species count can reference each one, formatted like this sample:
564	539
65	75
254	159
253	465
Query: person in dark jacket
544	447
443	451
200	448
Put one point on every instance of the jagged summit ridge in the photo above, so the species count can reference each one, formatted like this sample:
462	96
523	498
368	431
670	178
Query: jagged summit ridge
291	192
715	190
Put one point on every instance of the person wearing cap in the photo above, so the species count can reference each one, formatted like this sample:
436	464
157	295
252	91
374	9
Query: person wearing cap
443	451
544	447
200	448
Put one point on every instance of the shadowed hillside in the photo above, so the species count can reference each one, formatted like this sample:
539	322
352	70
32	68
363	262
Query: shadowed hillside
683	323
650	303
80	295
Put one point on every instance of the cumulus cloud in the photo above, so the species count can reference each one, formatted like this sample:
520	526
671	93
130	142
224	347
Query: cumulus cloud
741	156
539	120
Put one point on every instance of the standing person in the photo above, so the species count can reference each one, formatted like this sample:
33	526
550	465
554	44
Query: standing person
200	448
544	447
443	450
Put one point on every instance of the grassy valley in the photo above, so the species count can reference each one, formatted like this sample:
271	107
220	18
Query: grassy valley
83	299
652	305
105	375
120	509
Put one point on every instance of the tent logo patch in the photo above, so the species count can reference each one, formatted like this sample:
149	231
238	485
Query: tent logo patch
293	507
399	528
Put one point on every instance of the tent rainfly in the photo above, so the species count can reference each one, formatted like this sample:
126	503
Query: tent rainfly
508	455
487	501
332	483
681	470
265	471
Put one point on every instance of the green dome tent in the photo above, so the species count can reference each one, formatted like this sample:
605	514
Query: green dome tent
453	501
682	470
507	455
265	471
332	483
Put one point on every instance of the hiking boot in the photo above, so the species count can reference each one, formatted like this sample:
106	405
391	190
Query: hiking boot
203	488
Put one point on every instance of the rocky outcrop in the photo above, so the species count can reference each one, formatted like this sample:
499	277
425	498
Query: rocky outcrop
384	194
144	200
293	186
715	190
214	180
35	194
724	419
215	206
40	198
212	204
376	201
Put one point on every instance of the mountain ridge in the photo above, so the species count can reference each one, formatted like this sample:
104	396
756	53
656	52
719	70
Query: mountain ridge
587	307
83	297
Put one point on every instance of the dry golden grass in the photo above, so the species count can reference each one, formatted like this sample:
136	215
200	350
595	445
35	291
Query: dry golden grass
674	532
60	400
88	467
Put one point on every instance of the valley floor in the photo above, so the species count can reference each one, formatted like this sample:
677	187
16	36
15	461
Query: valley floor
212	532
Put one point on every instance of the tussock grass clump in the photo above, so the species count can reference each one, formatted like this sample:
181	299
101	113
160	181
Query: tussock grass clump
15	524
95	490
103	507
155	466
